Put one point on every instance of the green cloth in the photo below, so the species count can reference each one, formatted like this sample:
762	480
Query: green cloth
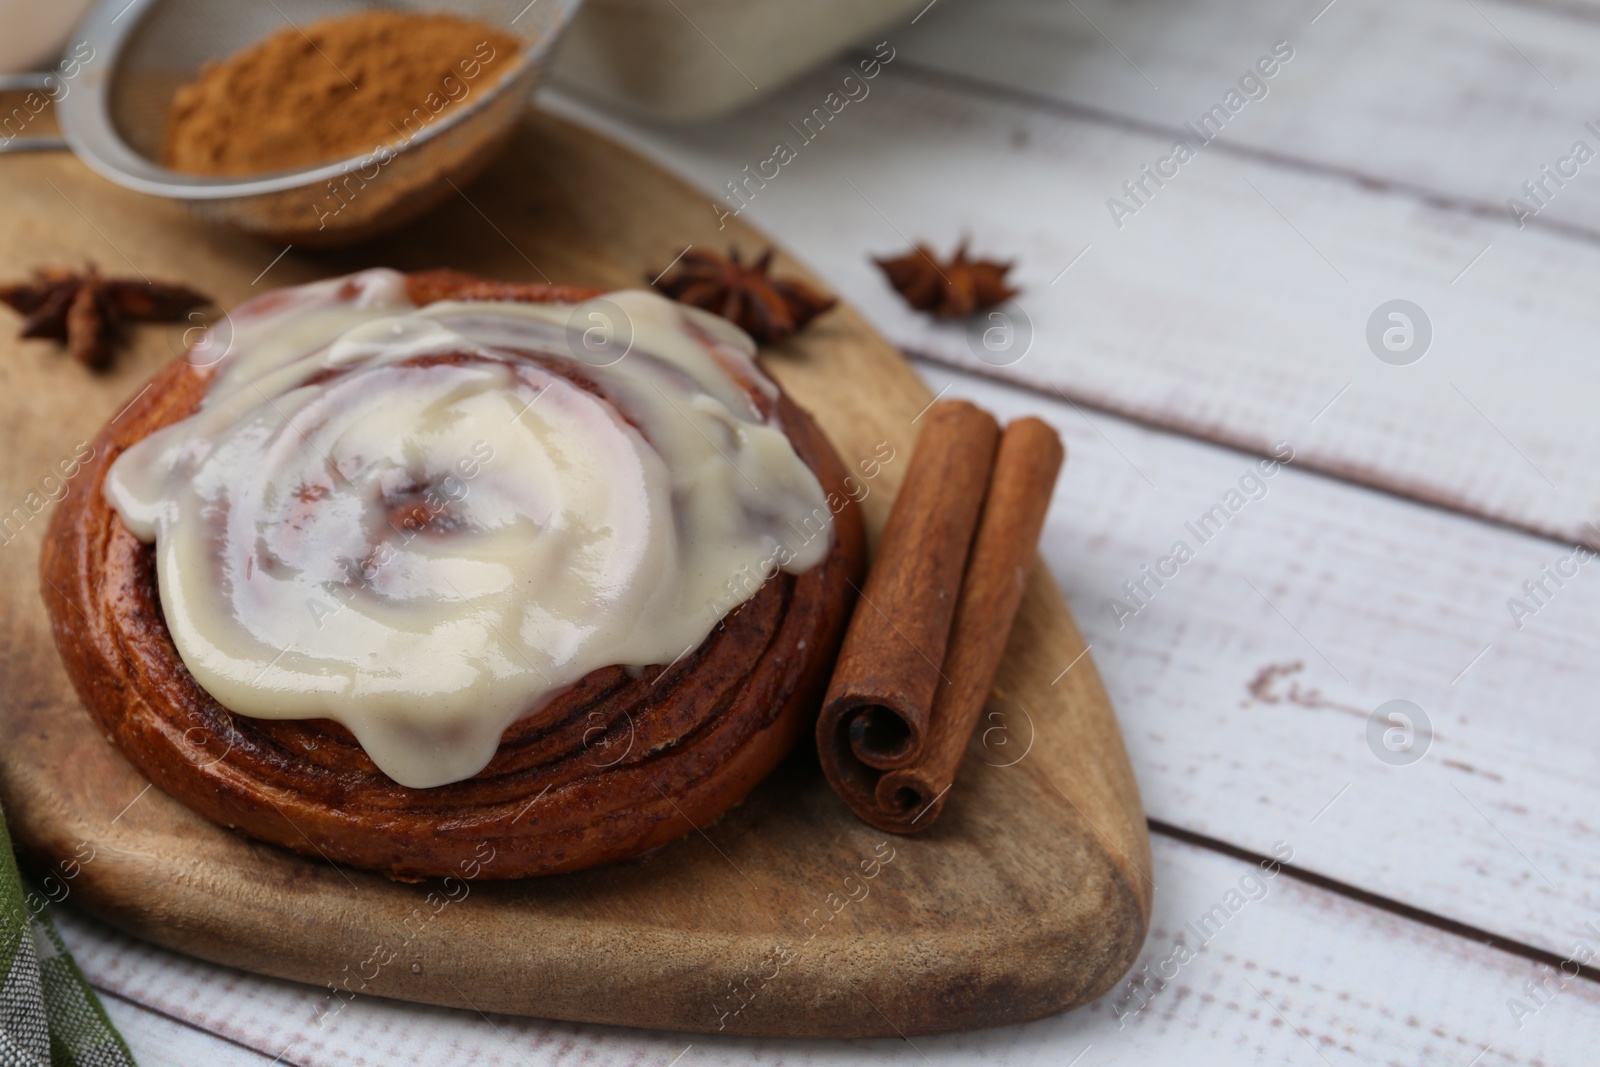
49	1016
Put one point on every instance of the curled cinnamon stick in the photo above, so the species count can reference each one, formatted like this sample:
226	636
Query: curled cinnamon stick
897	636
891	742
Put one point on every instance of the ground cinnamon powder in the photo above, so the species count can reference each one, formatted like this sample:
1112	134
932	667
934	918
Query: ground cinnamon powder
330	90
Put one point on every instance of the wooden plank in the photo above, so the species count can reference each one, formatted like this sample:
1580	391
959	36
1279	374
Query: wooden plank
1293	973
157	1040
1246	682
1432	99
1235	305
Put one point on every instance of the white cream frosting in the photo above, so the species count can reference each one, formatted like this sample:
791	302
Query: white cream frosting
427	551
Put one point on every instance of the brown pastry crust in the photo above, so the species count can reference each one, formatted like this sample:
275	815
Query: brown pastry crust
613	767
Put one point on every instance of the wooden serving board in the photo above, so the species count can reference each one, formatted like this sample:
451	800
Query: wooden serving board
787	916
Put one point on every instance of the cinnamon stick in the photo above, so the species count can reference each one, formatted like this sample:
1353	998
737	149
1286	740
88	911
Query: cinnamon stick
875	716
908	793
1025	472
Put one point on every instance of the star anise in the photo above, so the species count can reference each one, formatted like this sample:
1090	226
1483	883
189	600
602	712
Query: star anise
953	289
87	311
767	308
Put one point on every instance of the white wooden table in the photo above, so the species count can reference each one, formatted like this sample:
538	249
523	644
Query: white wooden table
1433	888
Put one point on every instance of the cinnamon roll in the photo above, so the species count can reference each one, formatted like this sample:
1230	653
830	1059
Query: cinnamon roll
434	575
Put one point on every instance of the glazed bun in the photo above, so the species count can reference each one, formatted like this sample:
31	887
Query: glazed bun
620	760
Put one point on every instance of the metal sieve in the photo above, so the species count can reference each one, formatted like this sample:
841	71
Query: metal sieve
143	50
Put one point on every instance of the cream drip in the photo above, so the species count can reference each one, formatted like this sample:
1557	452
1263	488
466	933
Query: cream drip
425	551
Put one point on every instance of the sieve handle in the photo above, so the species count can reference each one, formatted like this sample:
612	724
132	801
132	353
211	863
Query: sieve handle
13	141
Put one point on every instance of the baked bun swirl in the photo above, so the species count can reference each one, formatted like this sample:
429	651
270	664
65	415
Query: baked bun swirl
615	763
